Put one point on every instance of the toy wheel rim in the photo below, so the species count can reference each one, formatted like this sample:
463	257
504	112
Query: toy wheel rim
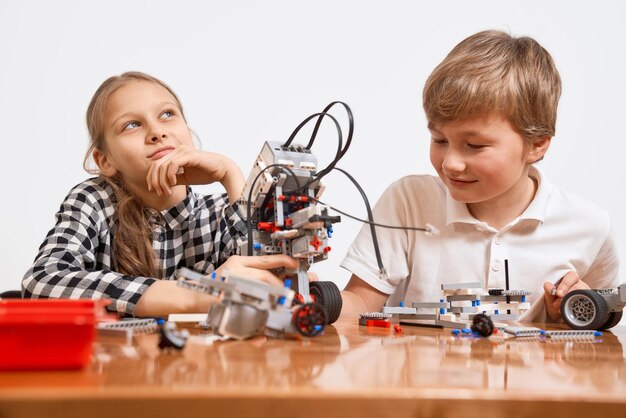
580	310
310	319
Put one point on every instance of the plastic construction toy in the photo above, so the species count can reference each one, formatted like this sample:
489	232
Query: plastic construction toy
171	338
248	307
284	217
594	309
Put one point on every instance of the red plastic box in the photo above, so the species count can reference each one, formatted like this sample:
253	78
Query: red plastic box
47	334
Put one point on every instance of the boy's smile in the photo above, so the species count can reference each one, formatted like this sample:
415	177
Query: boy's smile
484	163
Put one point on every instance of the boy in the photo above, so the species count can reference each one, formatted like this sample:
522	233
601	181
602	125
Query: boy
491	108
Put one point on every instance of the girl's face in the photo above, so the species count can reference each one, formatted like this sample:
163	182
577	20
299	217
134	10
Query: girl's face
142	123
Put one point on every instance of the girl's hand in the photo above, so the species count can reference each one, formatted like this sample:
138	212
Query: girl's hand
189	165
554	293
256	267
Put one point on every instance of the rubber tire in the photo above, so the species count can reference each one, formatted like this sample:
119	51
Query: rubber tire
328	295
614	318
599	316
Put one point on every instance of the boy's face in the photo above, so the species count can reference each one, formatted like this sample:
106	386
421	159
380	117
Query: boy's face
481	160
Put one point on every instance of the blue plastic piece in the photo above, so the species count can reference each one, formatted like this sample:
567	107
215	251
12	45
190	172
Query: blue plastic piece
213	276
256	246
597	334
160	321
401	304
542	332
281	300
523	298
496	312
466	331
288	283
473	303
478	302
455	332
318	327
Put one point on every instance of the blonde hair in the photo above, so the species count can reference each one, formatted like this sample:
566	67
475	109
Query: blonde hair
494	72
132	251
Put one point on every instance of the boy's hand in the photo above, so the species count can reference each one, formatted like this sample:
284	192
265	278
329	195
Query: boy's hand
554	293
256	267
189	165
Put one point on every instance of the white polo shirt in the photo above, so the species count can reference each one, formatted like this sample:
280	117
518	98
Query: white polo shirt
557	233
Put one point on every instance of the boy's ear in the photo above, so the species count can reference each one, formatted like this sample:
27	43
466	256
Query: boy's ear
538	149
105	165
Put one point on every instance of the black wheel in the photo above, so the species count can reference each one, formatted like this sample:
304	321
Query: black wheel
310	319
584	309
482	324
328	295
614	318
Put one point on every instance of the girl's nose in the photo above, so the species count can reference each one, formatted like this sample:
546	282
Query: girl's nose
157	137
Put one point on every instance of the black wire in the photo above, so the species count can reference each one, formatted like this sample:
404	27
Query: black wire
320	116
406	228
350	125
249	203
370	217
341	150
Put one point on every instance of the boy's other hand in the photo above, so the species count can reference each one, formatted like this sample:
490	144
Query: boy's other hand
554	293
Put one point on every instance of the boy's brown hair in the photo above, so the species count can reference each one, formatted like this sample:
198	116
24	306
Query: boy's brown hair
494	72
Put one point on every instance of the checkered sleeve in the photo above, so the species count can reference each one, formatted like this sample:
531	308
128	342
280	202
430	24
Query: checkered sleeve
70	260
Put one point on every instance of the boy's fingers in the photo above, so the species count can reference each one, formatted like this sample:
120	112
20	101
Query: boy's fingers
547	288
569	280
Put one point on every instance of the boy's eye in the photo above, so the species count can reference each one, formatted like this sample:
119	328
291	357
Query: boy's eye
130	125
167	114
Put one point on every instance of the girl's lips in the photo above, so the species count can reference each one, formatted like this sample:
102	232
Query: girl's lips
160	153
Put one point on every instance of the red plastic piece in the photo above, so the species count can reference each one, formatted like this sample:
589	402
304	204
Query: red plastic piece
327	249
265	226
315	242
46	334
381	323
397	329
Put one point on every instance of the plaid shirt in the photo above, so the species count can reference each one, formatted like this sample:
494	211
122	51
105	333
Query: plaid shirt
74	261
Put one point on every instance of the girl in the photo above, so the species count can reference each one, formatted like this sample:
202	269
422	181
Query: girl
117	234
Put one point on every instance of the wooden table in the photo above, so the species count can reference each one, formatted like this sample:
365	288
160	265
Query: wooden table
350	371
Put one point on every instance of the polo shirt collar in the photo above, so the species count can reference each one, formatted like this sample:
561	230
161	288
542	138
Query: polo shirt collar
457	212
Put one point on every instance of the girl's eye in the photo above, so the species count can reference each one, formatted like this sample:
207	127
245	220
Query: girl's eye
439	141
475	146
167	114
130	125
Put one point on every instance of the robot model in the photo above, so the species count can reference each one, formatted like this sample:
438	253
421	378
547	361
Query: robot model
283	215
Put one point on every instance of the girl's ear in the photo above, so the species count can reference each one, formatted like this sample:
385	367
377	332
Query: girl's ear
105	165
537	150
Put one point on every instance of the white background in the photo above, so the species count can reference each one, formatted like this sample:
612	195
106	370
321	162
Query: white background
250	71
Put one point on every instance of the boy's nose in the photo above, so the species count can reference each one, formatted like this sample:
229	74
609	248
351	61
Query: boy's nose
453	163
